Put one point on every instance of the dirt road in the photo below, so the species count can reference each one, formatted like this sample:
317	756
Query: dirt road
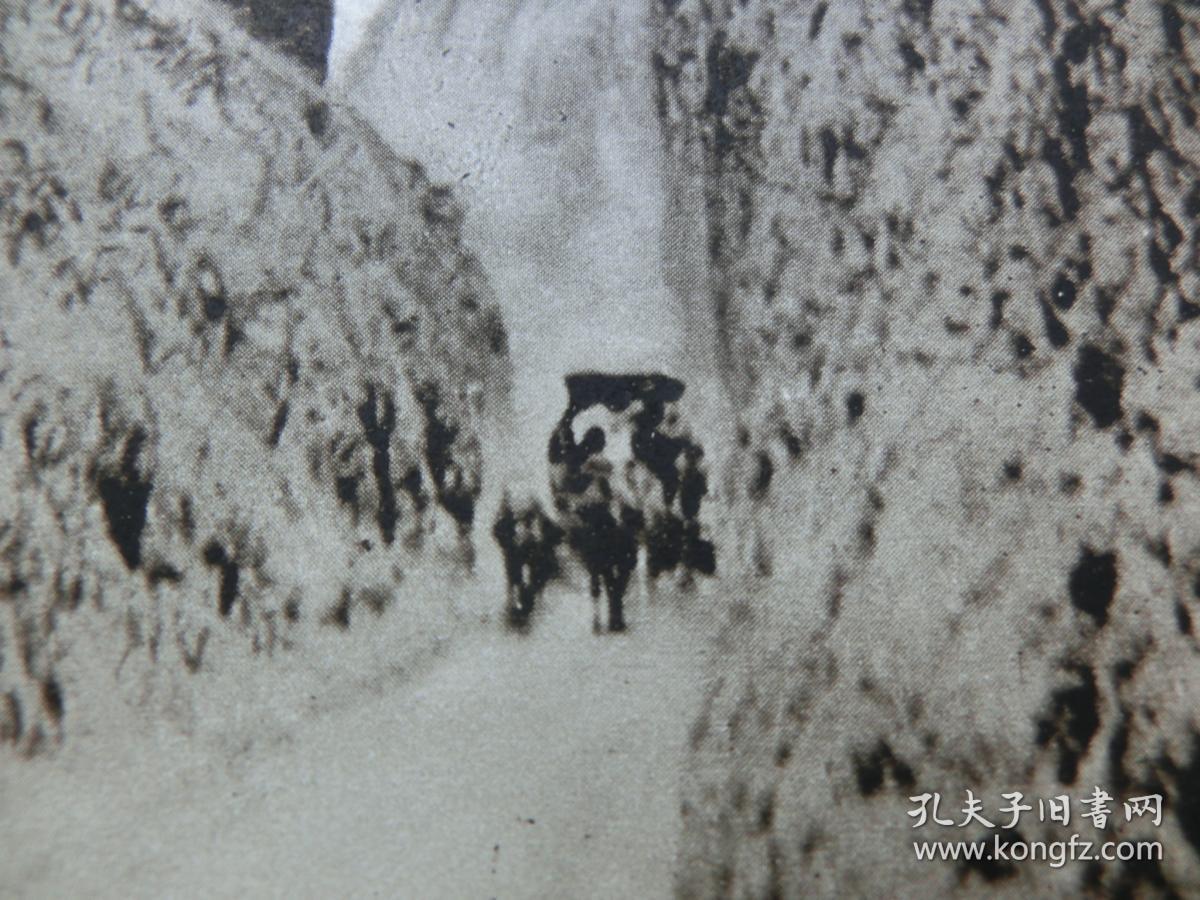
536	765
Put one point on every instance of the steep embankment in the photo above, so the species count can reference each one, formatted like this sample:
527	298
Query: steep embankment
246	361
953	270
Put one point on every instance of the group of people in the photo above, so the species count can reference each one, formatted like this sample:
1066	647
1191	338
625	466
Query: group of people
606	514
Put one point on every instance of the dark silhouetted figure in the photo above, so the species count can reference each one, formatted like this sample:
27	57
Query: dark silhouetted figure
699	554
605	535
674	538
570	476
529	541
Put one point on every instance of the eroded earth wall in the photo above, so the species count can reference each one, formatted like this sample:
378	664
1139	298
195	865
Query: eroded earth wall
952	262
245	359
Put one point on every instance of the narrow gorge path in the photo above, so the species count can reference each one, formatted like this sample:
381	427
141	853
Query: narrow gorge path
542	118
534	766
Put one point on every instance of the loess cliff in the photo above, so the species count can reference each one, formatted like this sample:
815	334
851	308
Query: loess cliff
952	265
245	359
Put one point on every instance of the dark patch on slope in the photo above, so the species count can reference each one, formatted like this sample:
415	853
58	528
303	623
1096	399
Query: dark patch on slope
52	699
229	574
1056	332
124	494
1072	722
1183	618
378	423
856	405
453	488
871	770
728	70
1187	795
1099	380
1172	24
302	30
818	17
1093	583
278	424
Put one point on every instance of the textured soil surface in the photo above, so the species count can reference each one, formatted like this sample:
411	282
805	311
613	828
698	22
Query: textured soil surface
541	766
247	362
931	274
953	256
